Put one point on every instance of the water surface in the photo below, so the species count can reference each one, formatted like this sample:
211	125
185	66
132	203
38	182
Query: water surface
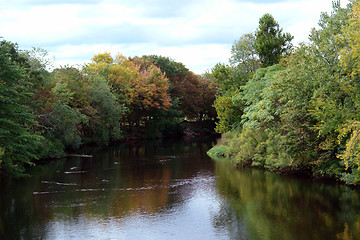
170	189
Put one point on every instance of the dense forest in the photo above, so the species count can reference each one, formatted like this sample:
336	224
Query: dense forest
45	113
278	106
289	108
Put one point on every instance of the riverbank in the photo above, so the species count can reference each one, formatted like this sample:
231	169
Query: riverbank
184	129
219	153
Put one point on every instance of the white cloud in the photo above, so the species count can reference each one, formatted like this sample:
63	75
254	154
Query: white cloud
197	33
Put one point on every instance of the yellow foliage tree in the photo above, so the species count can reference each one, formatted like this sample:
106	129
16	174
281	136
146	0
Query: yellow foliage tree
119	72
351	155
139	89
350	56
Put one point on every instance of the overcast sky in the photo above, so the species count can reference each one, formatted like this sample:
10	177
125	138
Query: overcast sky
198	33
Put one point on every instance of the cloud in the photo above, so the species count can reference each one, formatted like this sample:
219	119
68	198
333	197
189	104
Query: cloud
198	33
164	8
267	1
48	2
199	57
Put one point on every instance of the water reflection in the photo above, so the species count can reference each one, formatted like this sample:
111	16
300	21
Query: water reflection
263	205
142	189
171	190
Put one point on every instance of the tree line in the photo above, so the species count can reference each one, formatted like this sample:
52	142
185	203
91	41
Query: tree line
278	106
44	113
289	108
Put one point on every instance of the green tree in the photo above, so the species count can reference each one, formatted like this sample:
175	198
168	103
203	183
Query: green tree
105	120
137	84
303	112
223	76
270	42
89	98
229	108
19	145
334	101
244	58
349	131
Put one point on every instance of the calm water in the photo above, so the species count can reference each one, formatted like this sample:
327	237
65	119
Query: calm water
170	189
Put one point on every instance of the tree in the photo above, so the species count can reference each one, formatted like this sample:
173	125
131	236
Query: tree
229	108
91	96
167	121
105	120
223	76
140	88
170	67
72	81
19	145
270	43
350	37
150	90
208	91
118	72
327	40
186	88
244	58
350	130
334	100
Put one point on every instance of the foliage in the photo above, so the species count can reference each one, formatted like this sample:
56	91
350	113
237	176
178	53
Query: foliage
65	121
207	98
219	151
172	69
105	121
278	107
138	88
19	144
352	154
229	108
270	43
150	90
89	110
350	37
223	76
43	113
164	123
195	94
244	58
303	112
349	131
265	48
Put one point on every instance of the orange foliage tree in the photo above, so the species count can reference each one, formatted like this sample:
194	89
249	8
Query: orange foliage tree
140	89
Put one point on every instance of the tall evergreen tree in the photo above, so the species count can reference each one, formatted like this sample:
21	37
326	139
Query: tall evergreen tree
270	42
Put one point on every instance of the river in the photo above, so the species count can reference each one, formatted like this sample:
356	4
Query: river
170	189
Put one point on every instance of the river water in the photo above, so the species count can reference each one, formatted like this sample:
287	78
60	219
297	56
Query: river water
170	189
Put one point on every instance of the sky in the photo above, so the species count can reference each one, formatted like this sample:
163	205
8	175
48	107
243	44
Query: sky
197	33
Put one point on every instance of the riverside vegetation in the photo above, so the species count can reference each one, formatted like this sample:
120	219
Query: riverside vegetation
289	108
280	107
45	113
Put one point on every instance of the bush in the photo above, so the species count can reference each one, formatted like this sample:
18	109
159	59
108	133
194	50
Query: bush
218	152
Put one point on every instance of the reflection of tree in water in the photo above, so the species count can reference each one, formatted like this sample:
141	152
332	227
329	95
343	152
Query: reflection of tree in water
263	205
18	204
140	178
145	195
230	221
